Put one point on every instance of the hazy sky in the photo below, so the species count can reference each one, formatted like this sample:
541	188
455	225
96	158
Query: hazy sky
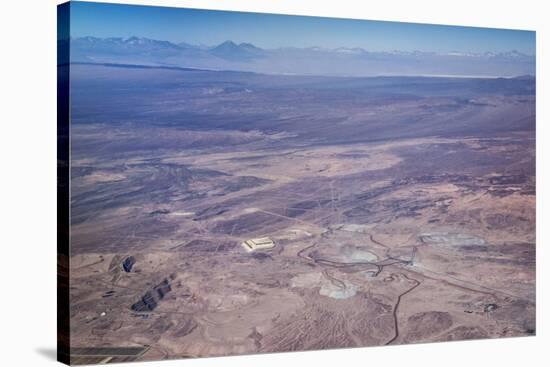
271	31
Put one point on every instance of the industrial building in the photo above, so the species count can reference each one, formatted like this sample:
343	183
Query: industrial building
263	243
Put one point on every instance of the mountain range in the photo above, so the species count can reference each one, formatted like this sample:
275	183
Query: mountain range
341	61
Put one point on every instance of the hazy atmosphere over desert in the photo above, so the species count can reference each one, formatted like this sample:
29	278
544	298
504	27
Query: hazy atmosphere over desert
233	196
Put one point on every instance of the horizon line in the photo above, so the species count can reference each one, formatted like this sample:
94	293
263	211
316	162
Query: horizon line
199	45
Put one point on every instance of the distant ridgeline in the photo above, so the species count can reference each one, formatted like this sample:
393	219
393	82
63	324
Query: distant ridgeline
306	61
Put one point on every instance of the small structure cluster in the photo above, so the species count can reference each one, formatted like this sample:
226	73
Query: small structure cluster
263	243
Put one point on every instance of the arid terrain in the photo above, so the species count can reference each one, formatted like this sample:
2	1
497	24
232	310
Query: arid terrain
401	210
